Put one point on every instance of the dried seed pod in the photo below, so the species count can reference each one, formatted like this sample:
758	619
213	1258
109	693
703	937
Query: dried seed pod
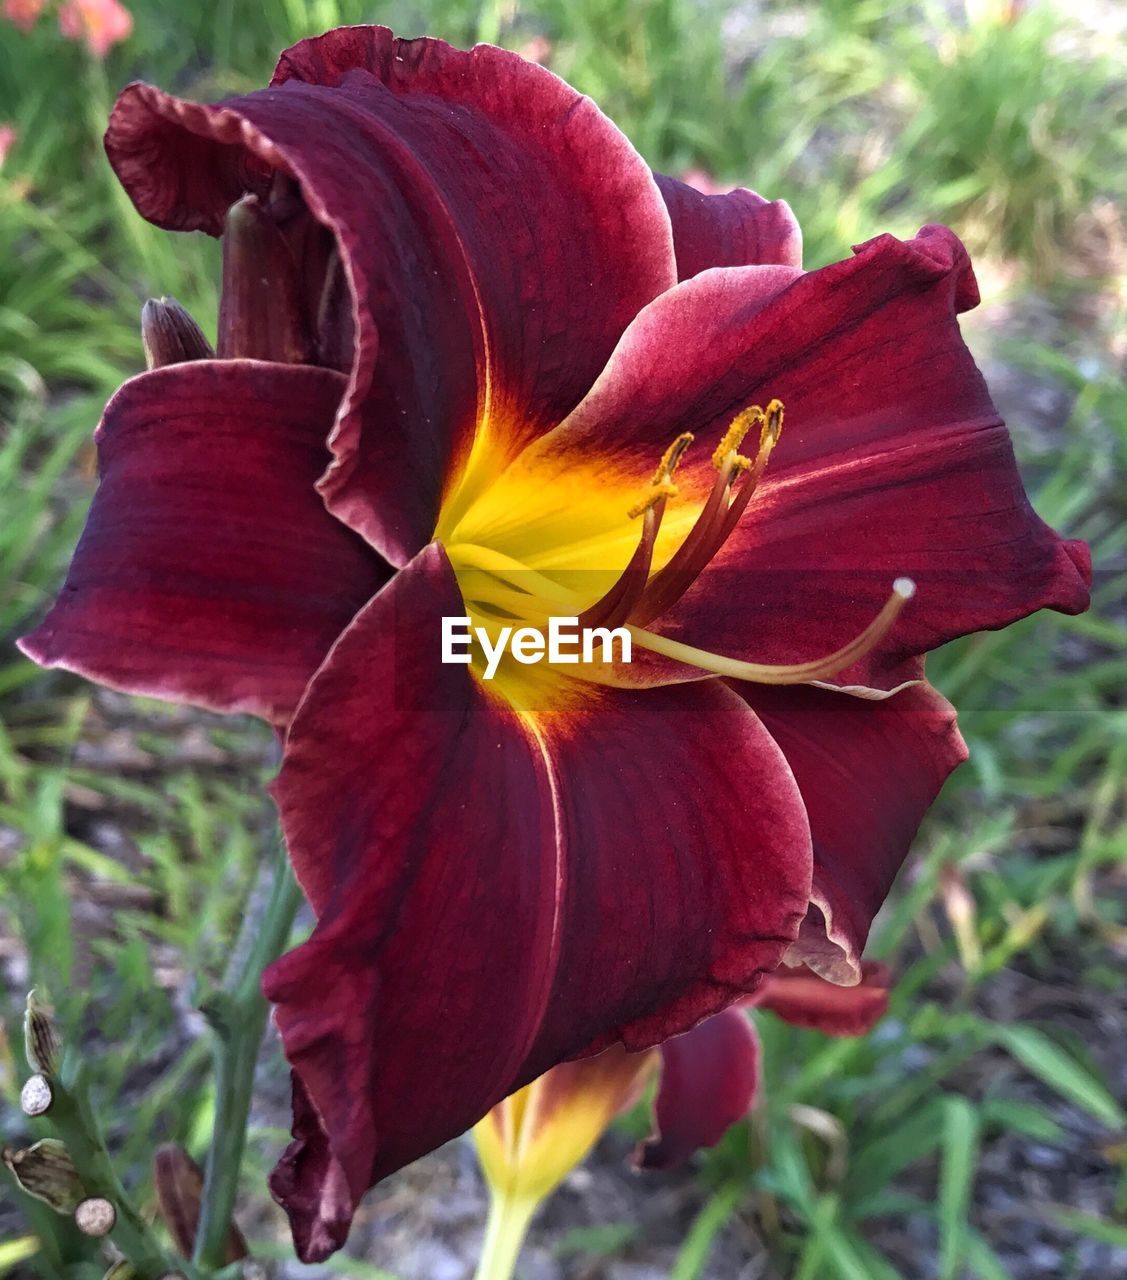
47	1172
179	1184
36	1096
95	1216
40	1036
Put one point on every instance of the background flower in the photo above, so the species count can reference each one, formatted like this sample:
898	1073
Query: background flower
100	23
23	13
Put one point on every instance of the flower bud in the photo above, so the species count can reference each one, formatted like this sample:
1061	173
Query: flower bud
179	1183
529	1142
40	1037
47	1172
121	1271
959	904
260	315
170	335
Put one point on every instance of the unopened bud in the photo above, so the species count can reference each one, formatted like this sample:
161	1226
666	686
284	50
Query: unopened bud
95	1216
40	1038
260	315
179	1183
47	1172
36	1097
170	335
121	1271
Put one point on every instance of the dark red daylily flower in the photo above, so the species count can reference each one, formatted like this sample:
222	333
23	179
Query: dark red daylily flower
461	327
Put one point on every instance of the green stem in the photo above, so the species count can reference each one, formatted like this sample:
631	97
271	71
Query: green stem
238	1017
509	1217
73	1119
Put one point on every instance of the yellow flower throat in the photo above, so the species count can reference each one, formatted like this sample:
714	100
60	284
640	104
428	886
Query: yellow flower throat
533	540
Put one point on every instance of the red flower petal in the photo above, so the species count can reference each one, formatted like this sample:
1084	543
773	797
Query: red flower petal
892	461
709	1079
736	229
209	570
868	771
498	234
498	892
800	997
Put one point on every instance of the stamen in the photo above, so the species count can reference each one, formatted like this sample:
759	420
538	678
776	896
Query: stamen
511	572
658	491
717	519
798	673
613	608
661	484
725	454
618	603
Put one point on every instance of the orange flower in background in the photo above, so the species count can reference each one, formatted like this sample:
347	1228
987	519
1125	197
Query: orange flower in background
101	23
23	13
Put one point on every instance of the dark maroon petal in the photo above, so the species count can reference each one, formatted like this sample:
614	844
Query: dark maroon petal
709	1079
735	229
868	771
498	891
498	235
892	461
310	1184
209	570
799	996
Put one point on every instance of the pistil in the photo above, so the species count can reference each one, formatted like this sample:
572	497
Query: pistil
792	673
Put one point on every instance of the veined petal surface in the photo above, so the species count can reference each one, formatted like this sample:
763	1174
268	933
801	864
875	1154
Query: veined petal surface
497	232
868	771
799	996
709	1080
735	229
209	570
892	460
497	892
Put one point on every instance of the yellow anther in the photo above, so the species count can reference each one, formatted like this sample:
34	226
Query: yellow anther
725	454
661	484
770	424
658	490
671	457
773	421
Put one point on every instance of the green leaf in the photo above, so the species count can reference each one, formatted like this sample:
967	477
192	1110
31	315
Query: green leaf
982	1259
1058	1069
339	1264
605	1239
956	1180
13	1252
707	1225
1113	1233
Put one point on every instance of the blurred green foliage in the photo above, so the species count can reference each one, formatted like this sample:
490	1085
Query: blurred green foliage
1006	121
